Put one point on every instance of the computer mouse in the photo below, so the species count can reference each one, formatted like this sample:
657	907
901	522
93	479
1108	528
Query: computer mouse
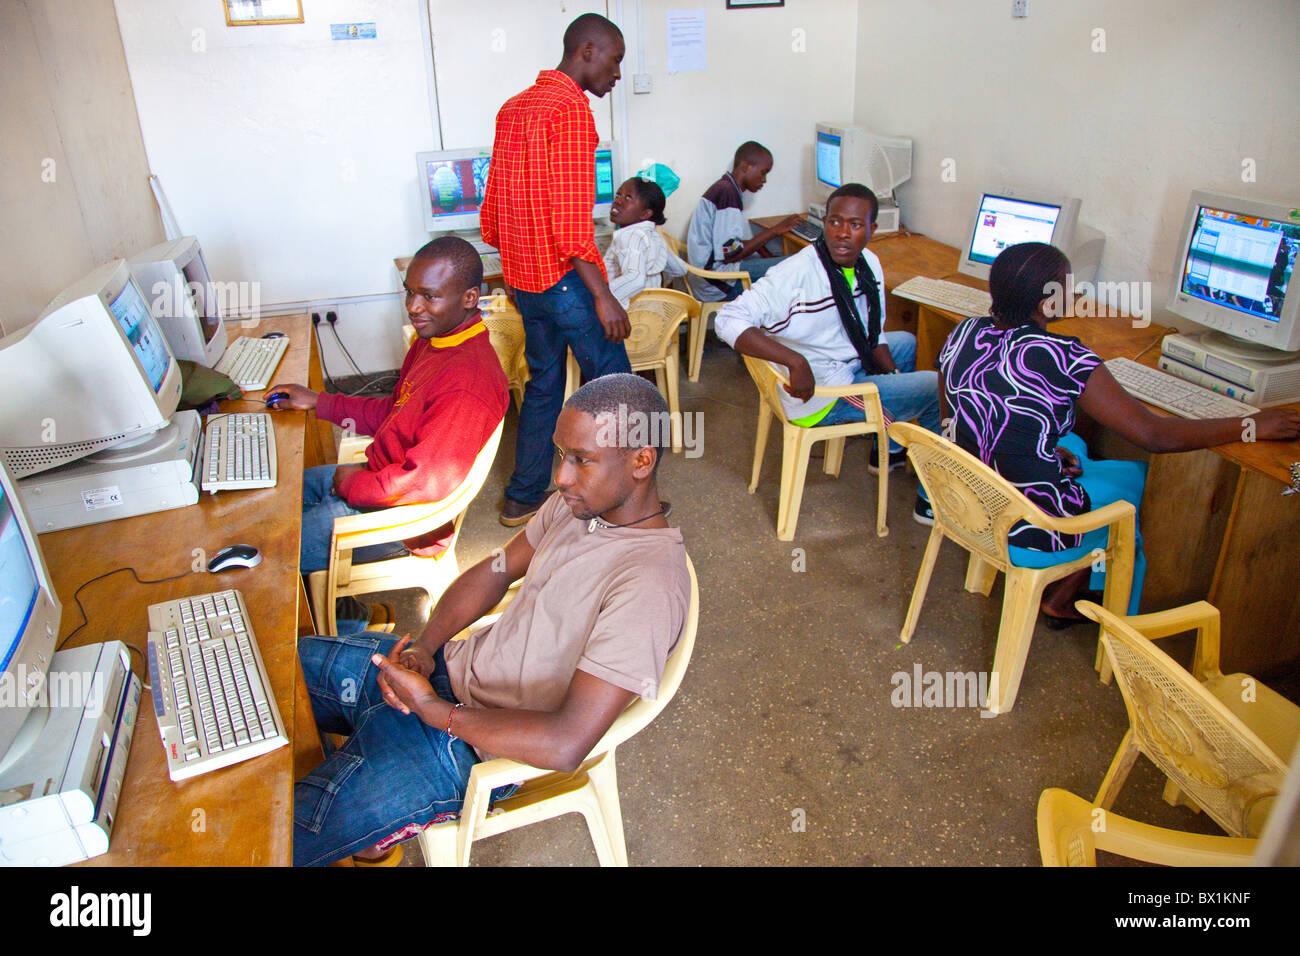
235	556
276	399
273	335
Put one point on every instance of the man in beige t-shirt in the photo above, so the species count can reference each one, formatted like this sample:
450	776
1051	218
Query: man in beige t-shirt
603	601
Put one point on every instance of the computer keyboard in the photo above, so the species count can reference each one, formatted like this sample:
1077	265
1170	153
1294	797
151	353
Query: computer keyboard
807	230
1173	394
952	296
491	264
213	702
238	452
250	362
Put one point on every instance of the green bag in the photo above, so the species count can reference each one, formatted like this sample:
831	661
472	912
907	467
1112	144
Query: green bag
201	385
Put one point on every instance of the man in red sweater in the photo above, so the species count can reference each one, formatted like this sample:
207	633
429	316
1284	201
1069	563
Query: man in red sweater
450	396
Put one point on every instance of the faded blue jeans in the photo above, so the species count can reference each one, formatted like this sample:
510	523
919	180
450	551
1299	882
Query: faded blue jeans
561	318
393	770
320	506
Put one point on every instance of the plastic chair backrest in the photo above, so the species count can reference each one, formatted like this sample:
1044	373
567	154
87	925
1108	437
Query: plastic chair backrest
976	506
654	315
767	383
1189	734
506	330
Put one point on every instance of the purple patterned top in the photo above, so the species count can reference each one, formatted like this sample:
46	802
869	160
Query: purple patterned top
1012	394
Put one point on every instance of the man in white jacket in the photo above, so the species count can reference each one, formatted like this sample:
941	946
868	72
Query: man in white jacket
820	314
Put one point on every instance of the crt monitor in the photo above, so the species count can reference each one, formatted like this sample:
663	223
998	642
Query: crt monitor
1233	269
29	625
92	372
853	154
1005	218
183	298
452	183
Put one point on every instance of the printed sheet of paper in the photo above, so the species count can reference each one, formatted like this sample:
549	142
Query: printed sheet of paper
687	47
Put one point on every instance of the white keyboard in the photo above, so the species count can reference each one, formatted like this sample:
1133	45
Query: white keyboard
250	362
807	230
238	452
213	702
491	264
1173	394
952	296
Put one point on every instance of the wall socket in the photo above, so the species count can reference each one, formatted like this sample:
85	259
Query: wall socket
641	83
1020	8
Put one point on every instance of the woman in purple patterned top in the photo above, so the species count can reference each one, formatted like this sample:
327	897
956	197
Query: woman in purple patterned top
1011	387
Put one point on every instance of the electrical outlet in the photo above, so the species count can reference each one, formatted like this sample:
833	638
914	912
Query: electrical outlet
1020	8
641	83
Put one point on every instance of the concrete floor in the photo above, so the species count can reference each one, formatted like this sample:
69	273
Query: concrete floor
782	746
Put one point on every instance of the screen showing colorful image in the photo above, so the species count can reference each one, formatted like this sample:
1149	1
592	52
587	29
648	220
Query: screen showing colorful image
1241	262
456	186
1006	222
604	176
18	587
150	348
828	159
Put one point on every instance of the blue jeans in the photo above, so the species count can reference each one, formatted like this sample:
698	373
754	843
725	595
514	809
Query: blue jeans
393	770
320	506
909	394
563	317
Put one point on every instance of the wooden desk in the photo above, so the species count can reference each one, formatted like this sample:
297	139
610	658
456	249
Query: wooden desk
240	815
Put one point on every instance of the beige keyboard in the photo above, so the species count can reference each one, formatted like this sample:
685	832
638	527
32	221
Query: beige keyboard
1174	394
952	296
238	452
213	702
250	362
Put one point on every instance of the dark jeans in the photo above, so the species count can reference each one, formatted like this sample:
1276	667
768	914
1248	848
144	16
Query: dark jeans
561	318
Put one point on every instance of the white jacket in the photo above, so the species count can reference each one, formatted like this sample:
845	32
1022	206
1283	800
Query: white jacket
793	304
636	258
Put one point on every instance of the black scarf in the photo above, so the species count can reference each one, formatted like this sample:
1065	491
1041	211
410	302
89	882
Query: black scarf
863	339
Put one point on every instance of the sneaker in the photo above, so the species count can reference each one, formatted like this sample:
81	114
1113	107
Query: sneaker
897	459
922	513
514	513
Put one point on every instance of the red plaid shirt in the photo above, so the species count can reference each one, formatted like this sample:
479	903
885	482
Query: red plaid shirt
541	186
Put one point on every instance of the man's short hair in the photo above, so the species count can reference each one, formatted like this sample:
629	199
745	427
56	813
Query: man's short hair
855	191
750	152
639	411
589	28
467	265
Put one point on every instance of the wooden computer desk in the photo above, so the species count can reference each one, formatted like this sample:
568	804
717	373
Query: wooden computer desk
239	815
1214	522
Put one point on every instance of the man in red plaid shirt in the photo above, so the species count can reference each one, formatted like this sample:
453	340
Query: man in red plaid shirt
537	210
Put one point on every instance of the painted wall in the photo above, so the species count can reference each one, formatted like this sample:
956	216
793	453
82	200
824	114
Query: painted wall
1129	106
74	186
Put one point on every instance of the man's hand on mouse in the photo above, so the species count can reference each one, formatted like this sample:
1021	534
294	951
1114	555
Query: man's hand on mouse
299	396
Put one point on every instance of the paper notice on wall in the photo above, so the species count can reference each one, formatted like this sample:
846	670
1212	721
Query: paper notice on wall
687	47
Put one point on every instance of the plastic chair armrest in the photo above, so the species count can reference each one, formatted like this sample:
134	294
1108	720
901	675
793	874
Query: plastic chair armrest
1201	617
865	389
392	524
352	449
1111	514
500	771
743	277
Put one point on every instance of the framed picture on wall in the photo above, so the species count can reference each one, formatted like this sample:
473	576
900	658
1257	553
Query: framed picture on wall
744	4
248	13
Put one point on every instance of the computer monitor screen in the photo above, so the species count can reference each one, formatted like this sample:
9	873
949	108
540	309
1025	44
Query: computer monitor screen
93	371
188	305
1241	262
827	154
1006	222
605	185
1234	267
452	183
29	620
142	332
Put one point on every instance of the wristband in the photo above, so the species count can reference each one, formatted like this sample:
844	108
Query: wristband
450	714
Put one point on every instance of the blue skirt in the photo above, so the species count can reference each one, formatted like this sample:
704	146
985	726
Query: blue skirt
1105	482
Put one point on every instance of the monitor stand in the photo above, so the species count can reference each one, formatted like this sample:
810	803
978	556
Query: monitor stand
155	474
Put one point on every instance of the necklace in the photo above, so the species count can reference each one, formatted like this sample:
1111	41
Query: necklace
597	523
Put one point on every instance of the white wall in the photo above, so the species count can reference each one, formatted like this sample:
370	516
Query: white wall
772	74
1184	91
74	188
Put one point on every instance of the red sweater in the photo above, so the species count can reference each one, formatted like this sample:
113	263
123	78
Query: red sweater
449	398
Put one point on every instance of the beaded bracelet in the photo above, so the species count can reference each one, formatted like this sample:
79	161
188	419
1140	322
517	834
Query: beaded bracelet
450	714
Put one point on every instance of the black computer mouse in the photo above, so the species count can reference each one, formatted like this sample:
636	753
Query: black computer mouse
273	335
276	399
235	556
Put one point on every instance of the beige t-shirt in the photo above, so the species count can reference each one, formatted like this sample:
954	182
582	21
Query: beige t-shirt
611	603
